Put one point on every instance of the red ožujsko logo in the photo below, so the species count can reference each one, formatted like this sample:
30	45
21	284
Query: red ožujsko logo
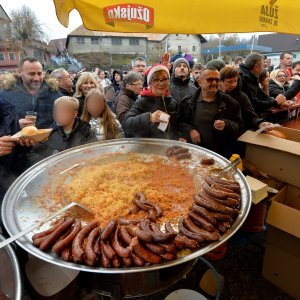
129	13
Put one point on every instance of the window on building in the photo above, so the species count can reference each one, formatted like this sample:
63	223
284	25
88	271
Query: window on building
116	41
187	35
1	56
134	42
194	48
80	40
176	34
95	41
11	56
179	48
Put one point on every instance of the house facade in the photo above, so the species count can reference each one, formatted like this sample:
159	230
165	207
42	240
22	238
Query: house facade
150	46
11	51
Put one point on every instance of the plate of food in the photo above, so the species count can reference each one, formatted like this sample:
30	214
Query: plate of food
155	204
32	133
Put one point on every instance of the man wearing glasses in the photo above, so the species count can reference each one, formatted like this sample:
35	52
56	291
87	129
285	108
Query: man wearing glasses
212	119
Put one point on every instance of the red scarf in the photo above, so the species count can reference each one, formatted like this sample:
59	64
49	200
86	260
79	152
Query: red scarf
148	92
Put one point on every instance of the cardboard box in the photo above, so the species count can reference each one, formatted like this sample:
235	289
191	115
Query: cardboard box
280	158
282	257
277	157
259	190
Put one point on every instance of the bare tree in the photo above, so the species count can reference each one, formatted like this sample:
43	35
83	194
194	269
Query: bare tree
25	26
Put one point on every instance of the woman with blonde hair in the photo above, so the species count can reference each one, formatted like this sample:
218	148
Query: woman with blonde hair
279	84
85	83
97	113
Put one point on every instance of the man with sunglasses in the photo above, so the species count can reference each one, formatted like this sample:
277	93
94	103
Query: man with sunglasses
212	119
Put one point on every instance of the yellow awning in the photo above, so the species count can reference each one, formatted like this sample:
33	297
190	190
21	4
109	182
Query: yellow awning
178	16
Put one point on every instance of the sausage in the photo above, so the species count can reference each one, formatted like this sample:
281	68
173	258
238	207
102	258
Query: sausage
156	207
125	236
104	261
233	185
207	161
201	221
108	250
66	254
155	248
77	245
141	205
181	150
59	246
181	241
222	217
48	231
141	234
159	236
170	247
97	248
190	234
52	237
127	222
116	262
118	248
210	204
169	228
152	215
168	256
62	237
208	236
37	242
127	261
137	260
201	211
145	254
171	149
218	186
183	156
108	229
213	192
90	255
222	228
227	202
134	210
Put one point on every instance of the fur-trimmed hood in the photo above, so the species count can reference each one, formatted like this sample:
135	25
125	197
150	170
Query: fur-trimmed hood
10	82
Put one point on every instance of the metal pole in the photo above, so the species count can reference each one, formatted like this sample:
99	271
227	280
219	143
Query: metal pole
219	47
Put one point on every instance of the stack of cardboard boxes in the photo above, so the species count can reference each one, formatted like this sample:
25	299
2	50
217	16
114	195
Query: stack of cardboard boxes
280	158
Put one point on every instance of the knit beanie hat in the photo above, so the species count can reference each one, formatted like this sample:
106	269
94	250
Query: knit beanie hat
179	61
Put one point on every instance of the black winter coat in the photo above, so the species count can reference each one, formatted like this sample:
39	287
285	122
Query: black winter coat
249	116
58	141
137	121
250	86
228	110
182	90
288	91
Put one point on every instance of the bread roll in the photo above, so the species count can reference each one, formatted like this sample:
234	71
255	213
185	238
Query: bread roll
29	130
276	133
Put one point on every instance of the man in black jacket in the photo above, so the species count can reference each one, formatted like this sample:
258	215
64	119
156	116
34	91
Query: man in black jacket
212	119
249	72
181	87
229	85
31	92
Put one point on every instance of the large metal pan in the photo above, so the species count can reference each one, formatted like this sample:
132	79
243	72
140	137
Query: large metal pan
20	209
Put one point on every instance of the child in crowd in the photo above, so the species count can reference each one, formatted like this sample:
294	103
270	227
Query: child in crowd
68	131
100	117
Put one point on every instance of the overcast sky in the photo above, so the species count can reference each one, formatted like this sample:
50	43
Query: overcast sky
45	12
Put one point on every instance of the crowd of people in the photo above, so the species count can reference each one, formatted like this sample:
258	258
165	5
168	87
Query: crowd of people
209	105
